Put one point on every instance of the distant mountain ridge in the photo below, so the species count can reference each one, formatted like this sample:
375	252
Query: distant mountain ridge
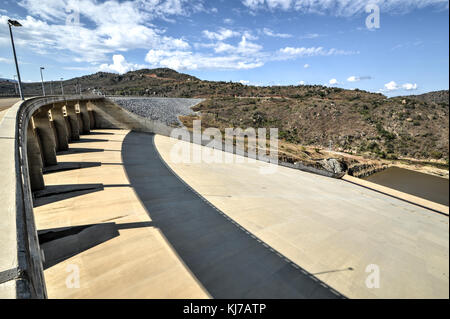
435	96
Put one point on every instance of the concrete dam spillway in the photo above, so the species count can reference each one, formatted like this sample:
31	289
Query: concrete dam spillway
94	206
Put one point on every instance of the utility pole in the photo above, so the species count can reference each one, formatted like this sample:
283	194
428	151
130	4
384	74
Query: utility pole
15	84
42	80
15	24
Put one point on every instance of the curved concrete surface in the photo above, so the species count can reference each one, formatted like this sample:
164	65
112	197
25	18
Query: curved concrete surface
165	242
232	233
328	226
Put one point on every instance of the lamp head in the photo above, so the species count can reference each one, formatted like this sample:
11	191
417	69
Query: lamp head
14	23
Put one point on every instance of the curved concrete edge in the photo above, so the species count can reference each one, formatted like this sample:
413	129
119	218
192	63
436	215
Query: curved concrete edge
438	208
21	272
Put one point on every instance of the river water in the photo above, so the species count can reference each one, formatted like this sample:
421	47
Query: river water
426	186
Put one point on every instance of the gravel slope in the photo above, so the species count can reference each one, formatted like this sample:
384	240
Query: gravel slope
165	110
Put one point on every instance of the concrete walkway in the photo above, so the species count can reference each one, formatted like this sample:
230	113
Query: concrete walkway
144	233
5	104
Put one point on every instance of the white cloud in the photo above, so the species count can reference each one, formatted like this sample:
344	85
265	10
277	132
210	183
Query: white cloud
290	52
333	82
409	86
343	7
302	82
106	27
120	65
271	33
5	60
221	35
187	60
310	36
244	82
272	4
391	86
221	47
354	78
246	47
306	66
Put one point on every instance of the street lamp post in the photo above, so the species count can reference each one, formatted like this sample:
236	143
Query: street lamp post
62	87
14	23
42	80
15	84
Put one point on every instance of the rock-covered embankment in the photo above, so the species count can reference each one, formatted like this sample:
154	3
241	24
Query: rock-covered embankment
165	110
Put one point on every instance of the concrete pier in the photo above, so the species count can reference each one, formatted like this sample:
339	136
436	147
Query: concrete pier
34	160
90	105
79	119
73	121
46	135
60	127
84	115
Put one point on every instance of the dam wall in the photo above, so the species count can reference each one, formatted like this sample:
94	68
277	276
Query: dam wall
31	133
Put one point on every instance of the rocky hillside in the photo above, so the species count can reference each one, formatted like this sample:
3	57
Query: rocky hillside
432	97
352	121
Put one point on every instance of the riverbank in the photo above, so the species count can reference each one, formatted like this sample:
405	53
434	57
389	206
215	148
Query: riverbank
426	186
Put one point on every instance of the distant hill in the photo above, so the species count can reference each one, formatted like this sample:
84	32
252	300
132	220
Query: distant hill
436	97
354	121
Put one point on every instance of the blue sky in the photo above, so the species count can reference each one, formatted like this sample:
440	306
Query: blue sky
259	42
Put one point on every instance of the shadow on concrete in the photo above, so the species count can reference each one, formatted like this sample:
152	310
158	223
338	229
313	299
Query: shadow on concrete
68	166
75	150
228	261
55	193
100	133
89	140
59	244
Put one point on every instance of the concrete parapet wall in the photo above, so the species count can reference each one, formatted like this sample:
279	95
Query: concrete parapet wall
21	273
